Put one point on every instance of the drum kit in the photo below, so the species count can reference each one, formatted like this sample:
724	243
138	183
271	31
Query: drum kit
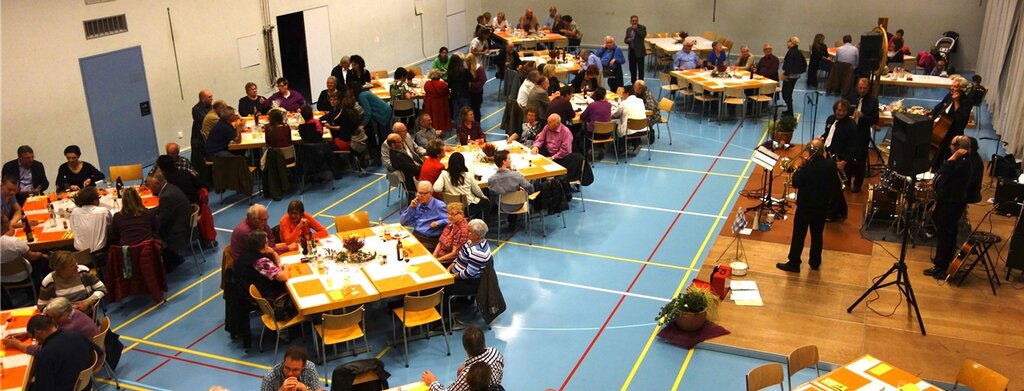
887	202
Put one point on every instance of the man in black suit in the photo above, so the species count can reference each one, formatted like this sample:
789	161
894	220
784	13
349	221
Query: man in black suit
30	173
818	183
951	191
174	212
841	142
402	161
865	114
635	35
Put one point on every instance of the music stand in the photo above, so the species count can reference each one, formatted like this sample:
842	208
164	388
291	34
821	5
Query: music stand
767	160
902	280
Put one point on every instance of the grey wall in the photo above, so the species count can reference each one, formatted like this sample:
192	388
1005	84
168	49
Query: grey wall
755	22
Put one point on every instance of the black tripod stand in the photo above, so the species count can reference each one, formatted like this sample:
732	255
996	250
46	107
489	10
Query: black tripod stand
902	280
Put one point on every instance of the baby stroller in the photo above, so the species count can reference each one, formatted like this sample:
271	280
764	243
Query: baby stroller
947	44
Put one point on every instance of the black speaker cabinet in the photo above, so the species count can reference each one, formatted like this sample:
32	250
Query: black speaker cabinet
1015	258
1008	194
911	139
870	51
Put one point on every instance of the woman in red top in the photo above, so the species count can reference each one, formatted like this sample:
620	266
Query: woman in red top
298	223
469	129
436	101
432	165
454	235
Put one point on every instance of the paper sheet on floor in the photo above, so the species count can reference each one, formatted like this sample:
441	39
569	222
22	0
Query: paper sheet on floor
745	292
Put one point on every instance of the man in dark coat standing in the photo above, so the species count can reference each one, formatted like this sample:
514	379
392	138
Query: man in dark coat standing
817	183
865	113
635	35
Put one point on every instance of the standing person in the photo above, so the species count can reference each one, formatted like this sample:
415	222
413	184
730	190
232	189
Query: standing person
173	212
377	115
635	35
62	357
819	60
843	146
340	73
252	102
793	66
865	114
458	81
285	98
436	100
357	74
76	174
478	355
295	373
30	173
476	84
817	183
441	62
951	187
955	107
611	61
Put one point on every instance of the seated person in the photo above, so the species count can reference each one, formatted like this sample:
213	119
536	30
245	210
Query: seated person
346	131
15	249
531	128
506	181
598	111
173	212
134	223
745	61
252	102
401	159
474	256
298	224
631	107
311	130
62	355
285	98
67	317
255	220
259	265
555	141
686	58
768	66
454	234
73	282
432	166
11	205
484	366
469	130
295	373
323	101
425	131
717	57
187	183
588	81
90	221
29	172
561	105
457	180
76	174
427	215
227	130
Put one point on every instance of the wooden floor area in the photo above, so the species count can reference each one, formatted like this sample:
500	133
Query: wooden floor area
810	308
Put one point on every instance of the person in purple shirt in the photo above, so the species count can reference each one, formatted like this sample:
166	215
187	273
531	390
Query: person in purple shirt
427	215
285	98
66	316
556	139
255	218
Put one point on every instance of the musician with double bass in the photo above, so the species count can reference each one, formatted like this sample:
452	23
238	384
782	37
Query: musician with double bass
954	110
845	148
817	182
951	192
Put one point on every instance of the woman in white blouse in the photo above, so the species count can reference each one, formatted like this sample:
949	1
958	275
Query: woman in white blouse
457	180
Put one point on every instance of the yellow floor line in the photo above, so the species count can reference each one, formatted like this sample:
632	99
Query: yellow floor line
693	263
383	352
687	170
195	352
123	385
611	257
350	195
175	320
492	114
155	306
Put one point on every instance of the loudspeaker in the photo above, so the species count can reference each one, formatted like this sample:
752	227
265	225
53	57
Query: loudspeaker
1008	194
870	51
1015	258
911	142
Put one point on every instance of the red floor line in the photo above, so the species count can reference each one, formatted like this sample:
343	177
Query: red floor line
197	363
176	354
636	278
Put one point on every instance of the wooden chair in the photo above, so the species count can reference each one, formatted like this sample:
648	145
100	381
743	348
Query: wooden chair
528	44
666	84
642	129
665	106
352	221
268	319
193	235
727	46
799	359
764	376
85	376
379	74
603	129
84	258
416	70
764	95
980	378
735	96
417	311
460	198
699	95
99	340
522	199
14	267
342	328
131	172
404	109
709	35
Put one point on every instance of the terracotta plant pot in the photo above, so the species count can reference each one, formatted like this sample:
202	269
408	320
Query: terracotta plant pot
783	137
691	321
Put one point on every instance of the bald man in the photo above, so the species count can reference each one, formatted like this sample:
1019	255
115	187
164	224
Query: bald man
416	152
402	160
200	110
817	182
555	140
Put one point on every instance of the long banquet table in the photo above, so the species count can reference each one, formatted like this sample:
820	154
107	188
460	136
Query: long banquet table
532	166
15	365
867	373
672	45
55	232
540	37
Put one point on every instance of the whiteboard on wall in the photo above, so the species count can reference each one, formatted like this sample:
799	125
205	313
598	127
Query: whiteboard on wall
457	30
248	51
318	47
455	6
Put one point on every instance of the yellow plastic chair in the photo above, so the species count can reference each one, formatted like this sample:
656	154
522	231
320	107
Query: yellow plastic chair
352	221
342	328
641	128
85	376
379	74
665	106
980	378
522	199
268	319
418	311
799	359
735	96
131	172
764	376
99	341
603	129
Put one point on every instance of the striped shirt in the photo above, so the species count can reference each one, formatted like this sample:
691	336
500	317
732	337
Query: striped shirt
491	356
472	259
80	287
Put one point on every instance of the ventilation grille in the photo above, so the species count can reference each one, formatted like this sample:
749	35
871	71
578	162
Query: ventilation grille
105	26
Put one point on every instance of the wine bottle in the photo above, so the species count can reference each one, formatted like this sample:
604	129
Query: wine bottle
398	249
118	188
28	229
304	244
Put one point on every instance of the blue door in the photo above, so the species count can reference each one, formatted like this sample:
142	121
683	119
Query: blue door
119	110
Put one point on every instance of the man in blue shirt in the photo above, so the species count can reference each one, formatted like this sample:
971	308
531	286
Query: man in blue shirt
427	215
612	58
590	58
686	58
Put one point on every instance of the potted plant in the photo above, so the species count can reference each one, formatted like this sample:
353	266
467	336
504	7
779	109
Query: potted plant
782	129
691	309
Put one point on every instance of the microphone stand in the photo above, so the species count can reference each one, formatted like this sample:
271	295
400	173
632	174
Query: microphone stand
899	268
814	114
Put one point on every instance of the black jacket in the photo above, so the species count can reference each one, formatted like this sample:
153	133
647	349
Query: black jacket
845	144
794	64
817	181
869	109
61	358
952	180
400	161
38	173
174	212
636	47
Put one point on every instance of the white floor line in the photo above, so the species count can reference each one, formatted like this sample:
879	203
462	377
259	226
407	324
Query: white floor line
699	155
223	229
628	326
653	208
580	286
232	204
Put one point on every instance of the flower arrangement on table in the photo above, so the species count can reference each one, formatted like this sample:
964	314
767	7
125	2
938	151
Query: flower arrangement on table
353	253
488	150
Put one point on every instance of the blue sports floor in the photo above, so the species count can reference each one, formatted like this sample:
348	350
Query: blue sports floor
581	302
